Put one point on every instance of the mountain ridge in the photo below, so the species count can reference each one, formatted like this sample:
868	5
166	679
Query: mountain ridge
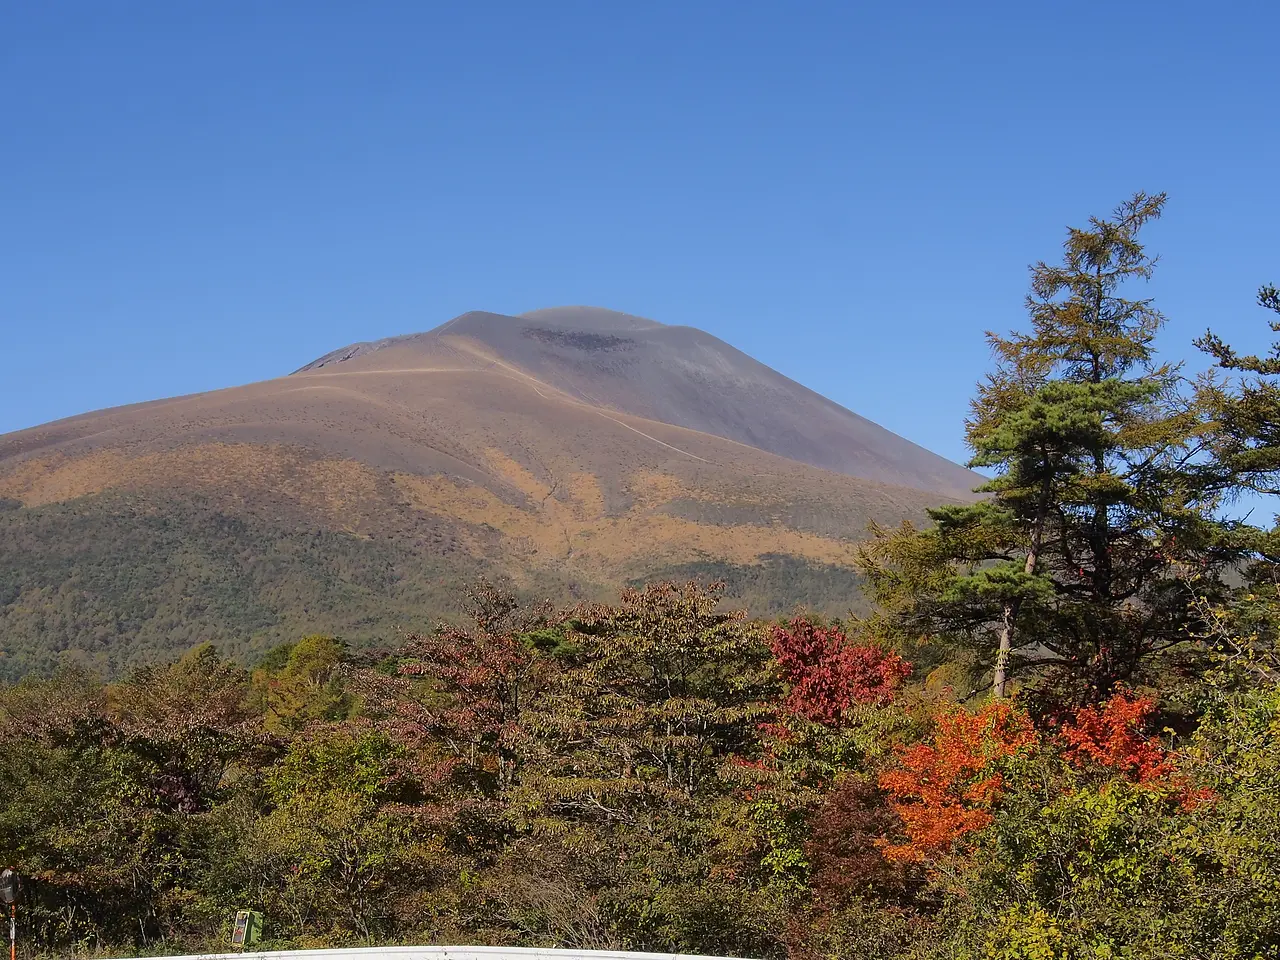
831	444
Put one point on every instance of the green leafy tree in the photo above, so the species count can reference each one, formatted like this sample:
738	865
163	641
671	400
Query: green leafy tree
662	690
636	752
342	842
1247	439
309	686
105	792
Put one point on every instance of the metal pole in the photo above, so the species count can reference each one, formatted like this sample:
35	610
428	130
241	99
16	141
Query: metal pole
13	931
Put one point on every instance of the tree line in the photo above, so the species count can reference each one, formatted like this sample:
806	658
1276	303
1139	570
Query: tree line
1053	735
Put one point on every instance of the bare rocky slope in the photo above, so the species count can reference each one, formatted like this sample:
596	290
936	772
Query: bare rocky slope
572	450
676	375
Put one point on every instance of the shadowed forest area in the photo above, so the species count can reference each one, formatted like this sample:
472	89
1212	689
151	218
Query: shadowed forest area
1052	733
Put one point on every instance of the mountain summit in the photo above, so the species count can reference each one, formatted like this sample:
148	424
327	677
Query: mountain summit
677	375
572	449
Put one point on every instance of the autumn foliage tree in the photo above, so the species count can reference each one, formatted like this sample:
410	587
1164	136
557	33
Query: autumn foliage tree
945	789
1113	735
479	675
845	846
827	674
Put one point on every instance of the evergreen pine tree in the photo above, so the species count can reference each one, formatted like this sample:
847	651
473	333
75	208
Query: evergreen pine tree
1086	555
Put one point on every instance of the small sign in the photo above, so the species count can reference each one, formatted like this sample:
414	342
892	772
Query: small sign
248	928
10	887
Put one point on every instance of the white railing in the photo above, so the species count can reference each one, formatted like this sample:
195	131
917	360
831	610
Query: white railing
441	953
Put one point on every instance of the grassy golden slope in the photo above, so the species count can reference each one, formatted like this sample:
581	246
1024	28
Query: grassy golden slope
472	440
447	467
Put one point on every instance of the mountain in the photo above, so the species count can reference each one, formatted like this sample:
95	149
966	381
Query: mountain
572	449
675	375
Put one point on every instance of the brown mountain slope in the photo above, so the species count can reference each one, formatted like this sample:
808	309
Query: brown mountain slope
675	375
344	497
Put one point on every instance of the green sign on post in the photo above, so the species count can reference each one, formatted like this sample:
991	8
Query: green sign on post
248	928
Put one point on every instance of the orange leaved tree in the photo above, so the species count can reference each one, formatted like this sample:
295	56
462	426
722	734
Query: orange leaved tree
945	789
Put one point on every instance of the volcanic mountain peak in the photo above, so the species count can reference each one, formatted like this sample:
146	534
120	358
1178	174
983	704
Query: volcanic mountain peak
591	318
575	318
671	374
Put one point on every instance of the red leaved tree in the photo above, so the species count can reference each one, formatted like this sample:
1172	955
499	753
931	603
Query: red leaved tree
843	846
828	674
483	673
456	700
1113	735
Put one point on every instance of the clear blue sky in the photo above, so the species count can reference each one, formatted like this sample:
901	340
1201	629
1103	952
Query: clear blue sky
201	194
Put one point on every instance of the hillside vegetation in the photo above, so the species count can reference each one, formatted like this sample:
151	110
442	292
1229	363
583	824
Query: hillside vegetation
355	500
115	580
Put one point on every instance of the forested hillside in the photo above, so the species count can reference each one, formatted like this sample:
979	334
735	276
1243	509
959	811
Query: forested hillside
1052	733
118	580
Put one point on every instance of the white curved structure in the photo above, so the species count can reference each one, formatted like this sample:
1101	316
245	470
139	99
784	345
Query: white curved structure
442	953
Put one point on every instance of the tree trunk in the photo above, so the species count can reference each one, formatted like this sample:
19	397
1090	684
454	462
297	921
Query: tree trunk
1009	614
1006	645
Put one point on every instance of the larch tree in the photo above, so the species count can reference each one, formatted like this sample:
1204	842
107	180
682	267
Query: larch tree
1244	400
1247	447
1098	531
